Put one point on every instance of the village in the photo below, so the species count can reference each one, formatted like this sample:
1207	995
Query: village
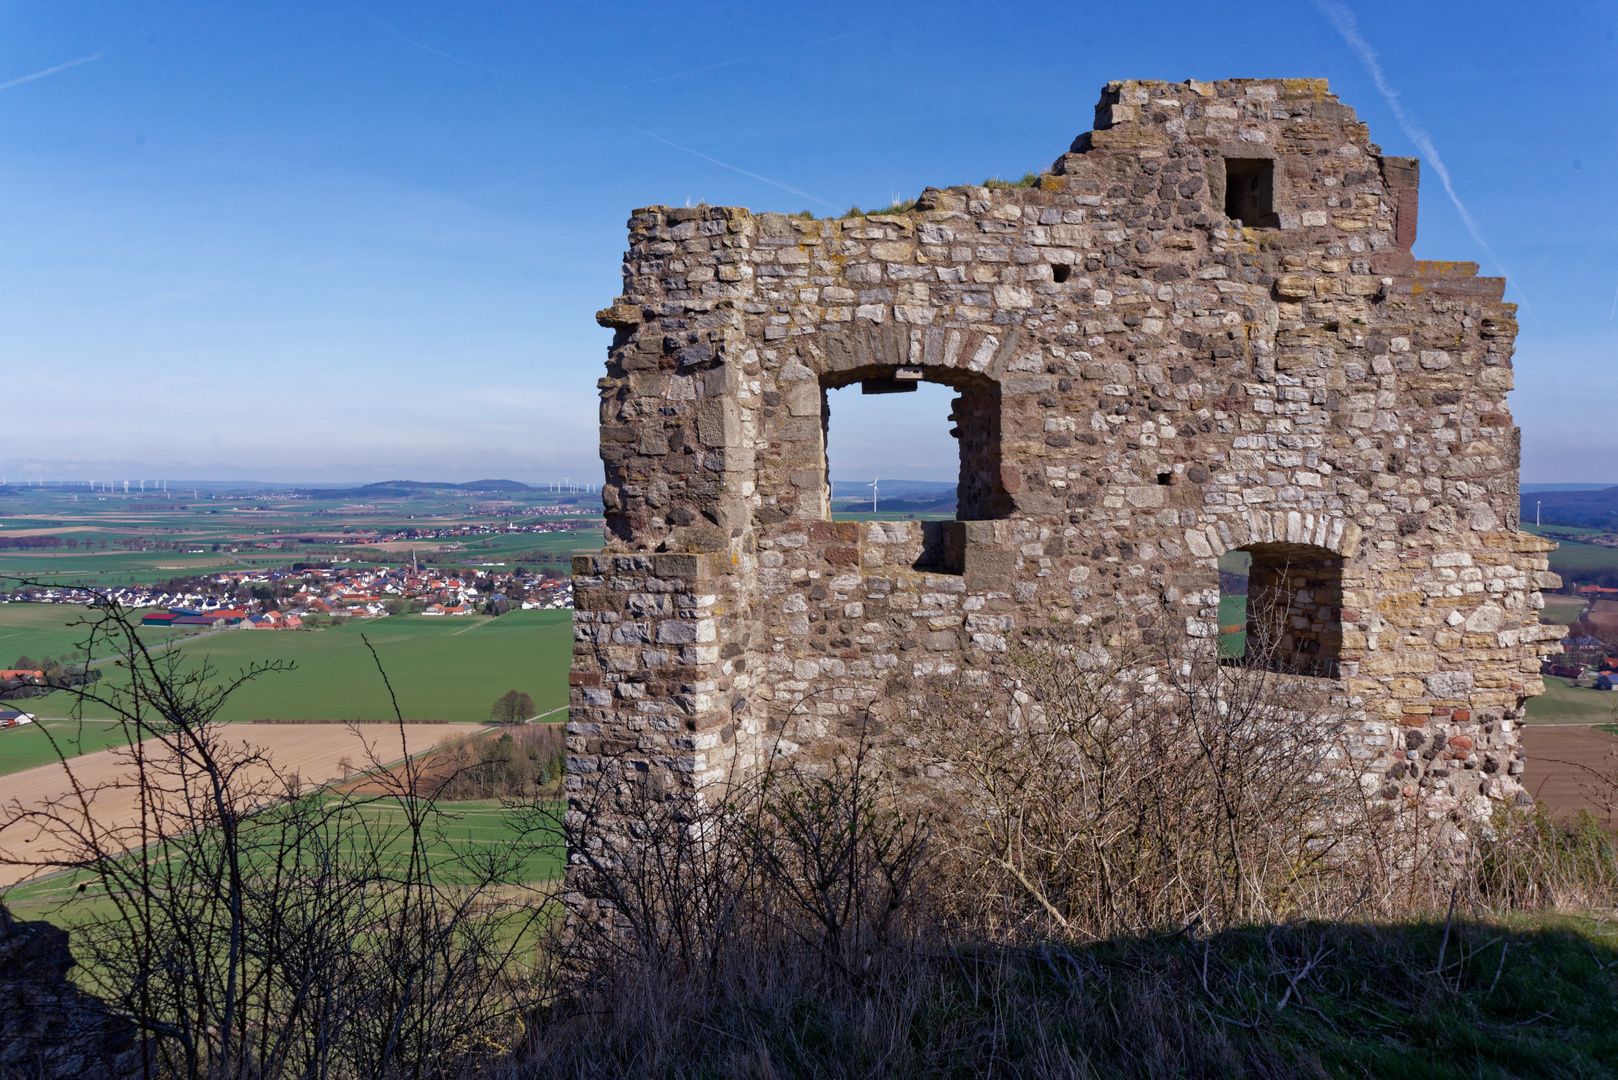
351	536
286	599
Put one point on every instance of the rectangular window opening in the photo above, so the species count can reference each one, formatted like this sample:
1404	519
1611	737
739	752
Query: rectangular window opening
887	456
1280	607
1250	192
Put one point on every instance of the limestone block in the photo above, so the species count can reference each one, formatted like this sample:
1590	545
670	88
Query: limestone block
719	422
1486	619
1449	684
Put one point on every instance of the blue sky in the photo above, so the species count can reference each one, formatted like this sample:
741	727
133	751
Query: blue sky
332	241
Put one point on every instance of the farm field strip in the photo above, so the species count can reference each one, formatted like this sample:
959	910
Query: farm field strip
29	746
459	831
1561	610
1563	703
312	751
440	668
1554	753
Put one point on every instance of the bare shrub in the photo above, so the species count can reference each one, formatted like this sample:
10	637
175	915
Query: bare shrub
1039	899
807	879
252	926
813	860
1109	788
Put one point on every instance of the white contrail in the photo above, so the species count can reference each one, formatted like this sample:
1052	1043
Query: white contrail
693	71
393	31
1346	25
49	71
733	63
733	168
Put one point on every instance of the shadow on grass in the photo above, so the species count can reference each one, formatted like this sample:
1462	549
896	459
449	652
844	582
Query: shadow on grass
1520	996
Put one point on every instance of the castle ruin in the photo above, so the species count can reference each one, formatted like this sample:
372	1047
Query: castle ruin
1201	330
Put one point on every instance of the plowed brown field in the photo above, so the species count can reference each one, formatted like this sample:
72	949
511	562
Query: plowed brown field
1603	615
312	751
1554	773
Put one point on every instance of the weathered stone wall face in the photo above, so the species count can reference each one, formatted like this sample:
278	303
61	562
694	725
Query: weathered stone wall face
1144	385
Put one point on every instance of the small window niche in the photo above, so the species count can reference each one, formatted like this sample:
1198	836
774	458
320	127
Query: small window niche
1250	192
1281	608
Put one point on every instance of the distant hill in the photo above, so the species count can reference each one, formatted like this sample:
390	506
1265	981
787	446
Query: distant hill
1562	487
404	489
494	485
851	486
1597	509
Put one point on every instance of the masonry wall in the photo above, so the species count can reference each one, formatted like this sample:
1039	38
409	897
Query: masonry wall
1144	384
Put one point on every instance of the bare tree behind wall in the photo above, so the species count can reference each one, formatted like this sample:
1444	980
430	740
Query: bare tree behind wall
1097	783
251	924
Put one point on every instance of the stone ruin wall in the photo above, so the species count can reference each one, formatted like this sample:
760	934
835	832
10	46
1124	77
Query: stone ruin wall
1145	383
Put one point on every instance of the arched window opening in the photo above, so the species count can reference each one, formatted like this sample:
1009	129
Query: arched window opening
1287	615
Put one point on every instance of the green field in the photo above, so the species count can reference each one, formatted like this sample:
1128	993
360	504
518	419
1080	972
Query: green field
109	567
458	833
1570	559
40	630
30	745
1233	612
51	630
441	668
462	829
1542	530
1561	610
1563	703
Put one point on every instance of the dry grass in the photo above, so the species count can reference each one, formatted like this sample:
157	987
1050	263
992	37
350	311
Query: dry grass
1130	868
1427	999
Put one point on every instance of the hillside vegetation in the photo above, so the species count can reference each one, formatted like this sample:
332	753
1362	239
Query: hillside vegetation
1119	866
